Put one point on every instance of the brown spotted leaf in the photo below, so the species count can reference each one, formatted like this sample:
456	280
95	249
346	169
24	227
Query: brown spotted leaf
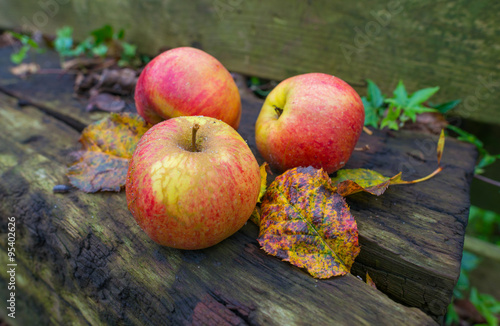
351	181
108	144
305	222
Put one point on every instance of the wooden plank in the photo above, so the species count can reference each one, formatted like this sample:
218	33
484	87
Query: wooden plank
82	259
423	43
412	260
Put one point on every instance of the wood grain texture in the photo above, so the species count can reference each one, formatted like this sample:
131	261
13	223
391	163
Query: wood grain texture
82	259
448	44
109	271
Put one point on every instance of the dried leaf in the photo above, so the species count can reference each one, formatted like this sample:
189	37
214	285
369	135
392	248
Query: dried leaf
304	221
351	181
108	144
106	102
25	69
369	281
98	171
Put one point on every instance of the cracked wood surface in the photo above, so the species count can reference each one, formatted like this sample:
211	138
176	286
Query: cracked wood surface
83	258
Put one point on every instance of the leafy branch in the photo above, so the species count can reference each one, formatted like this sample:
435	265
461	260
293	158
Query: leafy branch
394	112
102	42
485	158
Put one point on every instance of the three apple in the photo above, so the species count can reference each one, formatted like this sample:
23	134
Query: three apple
193	181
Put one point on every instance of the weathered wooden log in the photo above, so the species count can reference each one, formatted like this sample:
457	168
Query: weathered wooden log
421	42
82	258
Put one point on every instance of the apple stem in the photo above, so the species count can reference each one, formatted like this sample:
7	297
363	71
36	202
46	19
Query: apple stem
193	140
278	110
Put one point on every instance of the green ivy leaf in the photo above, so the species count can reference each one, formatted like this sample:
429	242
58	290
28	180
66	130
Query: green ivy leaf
391	119
64	41
102	34
410	112
421	96
371	116
401	96
466	137
20	55
100	50
84	47
487	159
120	35
374	94
445	107
129	50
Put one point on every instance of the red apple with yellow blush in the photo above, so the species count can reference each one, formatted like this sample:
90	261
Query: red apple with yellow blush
310	120
192	182
187	82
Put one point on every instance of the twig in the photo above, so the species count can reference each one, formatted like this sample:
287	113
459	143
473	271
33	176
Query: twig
55	71
362	149
488	180
482	248
368	131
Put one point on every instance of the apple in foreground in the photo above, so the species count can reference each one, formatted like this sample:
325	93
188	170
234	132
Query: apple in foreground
187	82
310	120
192	182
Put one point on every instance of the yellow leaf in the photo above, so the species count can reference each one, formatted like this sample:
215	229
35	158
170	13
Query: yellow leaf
263	180
440	146
349	182
369	281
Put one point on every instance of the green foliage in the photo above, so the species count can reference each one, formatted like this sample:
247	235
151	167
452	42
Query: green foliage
128	54
452	316
445	107
469	263
374	105
63	43
487	306
482	222
27	44
99	44
484	225
256	84
394	112
404	108
485	158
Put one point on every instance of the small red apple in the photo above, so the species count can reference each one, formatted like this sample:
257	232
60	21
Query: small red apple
310	120
192	196
187	82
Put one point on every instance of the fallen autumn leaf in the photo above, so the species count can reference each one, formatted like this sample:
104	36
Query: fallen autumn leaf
304	221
